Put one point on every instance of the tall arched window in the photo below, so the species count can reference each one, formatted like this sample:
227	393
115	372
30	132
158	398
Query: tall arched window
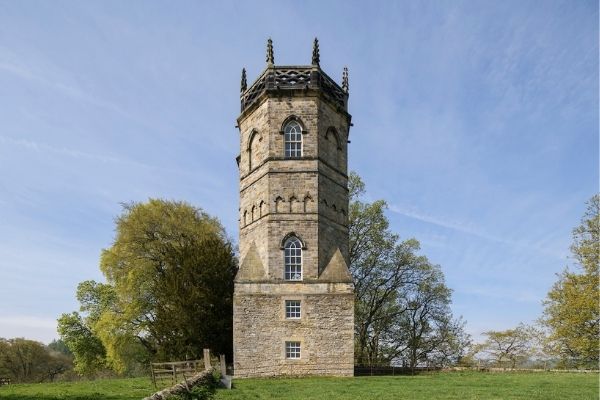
293	259
292	136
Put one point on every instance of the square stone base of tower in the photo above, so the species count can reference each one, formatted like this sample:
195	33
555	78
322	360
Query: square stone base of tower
325	329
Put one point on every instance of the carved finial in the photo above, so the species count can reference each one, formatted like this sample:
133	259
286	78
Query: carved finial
270	56
315	57
244	85
345	84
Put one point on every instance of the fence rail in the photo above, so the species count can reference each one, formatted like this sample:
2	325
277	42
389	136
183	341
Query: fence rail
374	370
378	370
176	371
179	370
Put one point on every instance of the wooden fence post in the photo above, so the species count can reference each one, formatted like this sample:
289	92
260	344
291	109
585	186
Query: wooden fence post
153	376
223	365
206	359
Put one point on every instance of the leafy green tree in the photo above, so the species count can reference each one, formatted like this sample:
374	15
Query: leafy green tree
60	347
168	291
426	333
397	292
87	349
572	311
377	277
30	361
509	348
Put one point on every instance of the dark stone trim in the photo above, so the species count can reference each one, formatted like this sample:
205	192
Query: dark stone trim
304	158
320	215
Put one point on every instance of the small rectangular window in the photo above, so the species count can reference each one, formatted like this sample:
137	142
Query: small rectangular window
292	309
292	350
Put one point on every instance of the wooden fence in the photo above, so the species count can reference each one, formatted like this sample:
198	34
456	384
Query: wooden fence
374	370
176	371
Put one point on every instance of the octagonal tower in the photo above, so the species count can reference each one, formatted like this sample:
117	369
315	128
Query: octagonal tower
293	298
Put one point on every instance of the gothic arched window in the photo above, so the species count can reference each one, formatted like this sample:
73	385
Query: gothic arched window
293	259
292	136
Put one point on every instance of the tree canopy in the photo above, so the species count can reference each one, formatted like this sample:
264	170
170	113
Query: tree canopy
509	348
26	360
168	291
572	312
402	310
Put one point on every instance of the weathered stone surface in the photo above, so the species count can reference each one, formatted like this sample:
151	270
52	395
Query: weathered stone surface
336	270
307	197
251	268
325	331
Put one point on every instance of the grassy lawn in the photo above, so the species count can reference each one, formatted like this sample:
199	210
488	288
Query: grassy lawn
109	389
447	385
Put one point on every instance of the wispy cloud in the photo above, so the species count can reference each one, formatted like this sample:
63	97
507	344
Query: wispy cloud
46	148
50	76
469	229
75	92
503	293
41	147
27	321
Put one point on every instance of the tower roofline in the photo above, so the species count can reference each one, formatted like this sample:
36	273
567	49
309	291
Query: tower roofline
287	79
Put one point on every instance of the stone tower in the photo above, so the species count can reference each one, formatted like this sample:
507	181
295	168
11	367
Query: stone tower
294	299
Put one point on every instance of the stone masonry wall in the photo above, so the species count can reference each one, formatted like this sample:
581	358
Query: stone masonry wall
325	332
307	197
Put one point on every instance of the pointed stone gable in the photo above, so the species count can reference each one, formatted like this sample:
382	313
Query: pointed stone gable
337	269
252	267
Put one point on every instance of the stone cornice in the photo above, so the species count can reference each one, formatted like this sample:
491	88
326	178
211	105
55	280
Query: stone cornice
293	80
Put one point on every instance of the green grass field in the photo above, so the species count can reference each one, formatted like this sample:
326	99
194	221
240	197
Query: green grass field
433	386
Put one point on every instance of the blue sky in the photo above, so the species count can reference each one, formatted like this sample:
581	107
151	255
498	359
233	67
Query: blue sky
477	121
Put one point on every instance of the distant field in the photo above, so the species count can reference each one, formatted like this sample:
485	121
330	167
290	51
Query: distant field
432	386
